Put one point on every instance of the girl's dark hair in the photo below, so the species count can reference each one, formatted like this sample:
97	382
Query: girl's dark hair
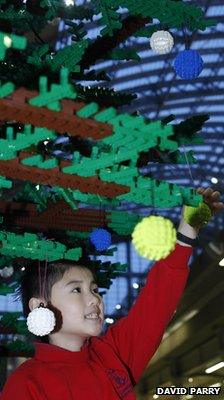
29	282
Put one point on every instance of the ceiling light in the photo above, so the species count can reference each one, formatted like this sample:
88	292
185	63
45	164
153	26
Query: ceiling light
69	2
221	263
135	285
189	315
109	320
214	367
217	248
214	180
217	384
176	326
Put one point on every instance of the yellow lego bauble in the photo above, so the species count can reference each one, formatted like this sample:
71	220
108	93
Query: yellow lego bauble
197	216
154	237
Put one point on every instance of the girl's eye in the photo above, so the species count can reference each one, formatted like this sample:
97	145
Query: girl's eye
78	289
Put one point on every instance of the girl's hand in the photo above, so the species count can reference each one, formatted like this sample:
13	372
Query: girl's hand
212	199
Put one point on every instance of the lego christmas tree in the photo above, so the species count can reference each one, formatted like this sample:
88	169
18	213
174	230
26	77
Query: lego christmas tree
69	158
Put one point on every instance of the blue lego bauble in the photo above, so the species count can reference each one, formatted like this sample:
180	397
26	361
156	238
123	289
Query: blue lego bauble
101	239
188	64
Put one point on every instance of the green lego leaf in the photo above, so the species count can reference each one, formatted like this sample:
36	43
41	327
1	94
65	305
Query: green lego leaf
51	98
19	140
110	18
88	110
174	14
9	320
5	289
88	198
185	131
5	183
51	10
5	261
162	194
8	41
146	31
29	246
38	55
77	12
73	254
18	346
69	57
37	194
79	235
122	222
179	158
6	89
105	97
124	54
67	195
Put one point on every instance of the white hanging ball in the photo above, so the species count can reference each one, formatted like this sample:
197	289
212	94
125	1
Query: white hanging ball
6	272
161	42
41	321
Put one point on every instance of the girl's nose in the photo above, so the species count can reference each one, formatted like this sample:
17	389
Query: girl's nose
94	299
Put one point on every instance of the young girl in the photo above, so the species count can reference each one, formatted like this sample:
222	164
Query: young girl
77	362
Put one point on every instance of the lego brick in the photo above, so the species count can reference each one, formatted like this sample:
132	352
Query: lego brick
17	107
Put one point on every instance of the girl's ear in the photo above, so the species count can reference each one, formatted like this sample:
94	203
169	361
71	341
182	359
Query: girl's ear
35	302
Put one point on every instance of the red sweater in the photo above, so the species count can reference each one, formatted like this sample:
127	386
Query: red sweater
110	365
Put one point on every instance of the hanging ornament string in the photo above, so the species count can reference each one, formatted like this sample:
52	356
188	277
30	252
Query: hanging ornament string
101	214
100	210
154	210
45	275
188	164
41	320
104	215
186	38
42	288
100	237
39	278
196	217
100	201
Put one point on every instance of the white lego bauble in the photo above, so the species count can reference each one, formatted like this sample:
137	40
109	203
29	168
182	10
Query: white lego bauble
41	321
6	272
161	42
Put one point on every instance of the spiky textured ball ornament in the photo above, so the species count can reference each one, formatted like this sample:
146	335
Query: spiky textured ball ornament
188	64
154	237
197	216
101	239
161	42
41	321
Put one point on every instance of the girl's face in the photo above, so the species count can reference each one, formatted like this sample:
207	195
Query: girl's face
76	297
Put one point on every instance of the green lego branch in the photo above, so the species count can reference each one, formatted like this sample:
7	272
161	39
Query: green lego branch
29	246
